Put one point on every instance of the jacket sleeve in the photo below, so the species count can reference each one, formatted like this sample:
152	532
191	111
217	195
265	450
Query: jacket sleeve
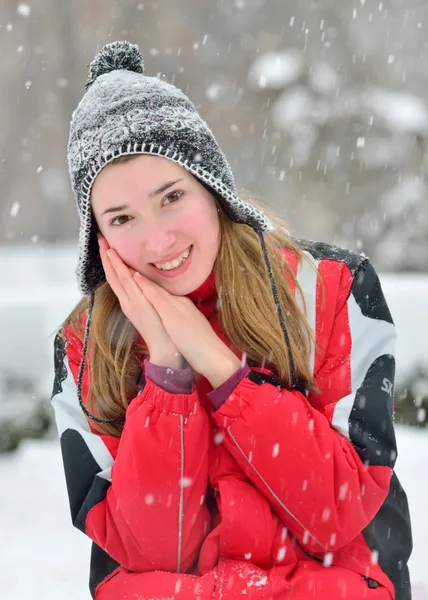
139	497
325	462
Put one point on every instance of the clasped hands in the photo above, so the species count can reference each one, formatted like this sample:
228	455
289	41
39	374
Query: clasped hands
164	320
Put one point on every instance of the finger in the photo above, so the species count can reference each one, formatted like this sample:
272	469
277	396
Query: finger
110	271
102	242
125	277
153	288
104	247
123	272
159	298
111	260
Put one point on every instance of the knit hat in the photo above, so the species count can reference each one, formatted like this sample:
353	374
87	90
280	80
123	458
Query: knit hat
125	112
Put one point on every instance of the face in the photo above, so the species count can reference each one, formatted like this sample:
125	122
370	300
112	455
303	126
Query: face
151	210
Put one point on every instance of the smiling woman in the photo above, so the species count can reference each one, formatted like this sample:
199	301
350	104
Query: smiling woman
220	389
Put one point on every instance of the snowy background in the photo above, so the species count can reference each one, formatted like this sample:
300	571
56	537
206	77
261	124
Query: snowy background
322	109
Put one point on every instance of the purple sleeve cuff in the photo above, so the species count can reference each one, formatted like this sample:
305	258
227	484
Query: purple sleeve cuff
219	395
174	381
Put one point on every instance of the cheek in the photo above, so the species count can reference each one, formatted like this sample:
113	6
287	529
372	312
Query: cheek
205	228
207	232
129	250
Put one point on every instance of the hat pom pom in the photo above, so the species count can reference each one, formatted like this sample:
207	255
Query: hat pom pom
114	56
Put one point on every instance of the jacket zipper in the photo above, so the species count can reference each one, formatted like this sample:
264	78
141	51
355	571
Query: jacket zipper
180	510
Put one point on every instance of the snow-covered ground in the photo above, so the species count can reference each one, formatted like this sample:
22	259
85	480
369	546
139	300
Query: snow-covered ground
44	557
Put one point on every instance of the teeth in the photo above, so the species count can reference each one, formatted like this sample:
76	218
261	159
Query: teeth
174	263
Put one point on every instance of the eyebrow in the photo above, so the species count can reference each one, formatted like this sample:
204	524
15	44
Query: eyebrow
161	189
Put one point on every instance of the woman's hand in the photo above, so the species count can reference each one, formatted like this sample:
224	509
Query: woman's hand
138	309
191	332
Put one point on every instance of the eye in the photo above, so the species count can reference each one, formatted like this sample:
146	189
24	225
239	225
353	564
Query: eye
112	222
176	195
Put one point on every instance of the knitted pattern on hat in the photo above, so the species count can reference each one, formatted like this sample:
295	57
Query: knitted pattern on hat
124	112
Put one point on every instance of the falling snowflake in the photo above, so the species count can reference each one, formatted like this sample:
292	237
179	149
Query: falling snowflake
326	514
15	209
218	438
234	128
24	10
186	482
343	490
214	90
281	553
328	559
275	70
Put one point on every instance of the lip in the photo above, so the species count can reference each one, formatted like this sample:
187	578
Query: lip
178	270
172	257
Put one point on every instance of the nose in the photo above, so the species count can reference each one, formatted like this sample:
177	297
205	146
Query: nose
158	240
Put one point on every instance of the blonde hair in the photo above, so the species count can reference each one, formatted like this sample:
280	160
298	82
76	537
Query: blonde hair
248	317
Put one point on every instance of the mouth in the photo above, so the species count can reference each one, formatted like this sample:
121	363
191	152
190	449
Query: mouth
171	269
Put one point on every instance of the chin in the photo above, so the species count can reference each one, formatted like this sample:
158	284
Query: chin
185	286
181	288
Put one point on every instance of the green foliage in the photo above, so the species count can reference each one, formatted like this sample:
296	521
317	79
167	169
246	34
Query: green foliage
411	399
23	414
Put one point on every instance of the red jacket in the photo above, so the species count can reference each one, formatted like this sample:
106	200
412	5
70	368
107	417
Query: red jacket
277	494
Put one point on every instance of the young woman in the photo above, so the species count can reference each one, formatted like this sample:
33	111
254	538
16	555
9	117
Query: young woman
223	392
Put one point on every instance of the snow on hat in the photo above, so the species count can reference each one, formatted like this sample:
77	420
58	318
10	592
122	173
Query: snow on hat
125	112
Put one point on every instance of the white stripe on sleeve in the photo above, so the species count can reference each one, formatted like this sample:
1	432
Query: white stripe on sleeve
69	415
307	275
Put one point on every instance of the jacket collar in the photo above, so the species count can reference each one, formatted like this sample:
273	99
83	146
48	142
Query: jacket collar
205	296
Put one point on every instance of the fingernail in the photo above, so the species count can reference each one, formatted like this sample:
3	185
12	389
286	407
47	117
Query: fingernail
137	274
109	253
